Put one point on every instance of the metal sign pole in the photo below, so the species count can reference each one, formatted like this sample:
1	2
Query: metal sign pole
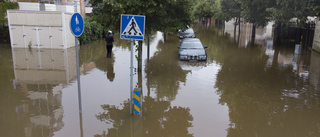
77	27
131	76
78	76
128	24
77	56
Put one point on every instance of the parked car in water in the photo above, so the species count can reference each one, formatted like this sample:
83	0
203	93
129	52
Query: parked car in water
187	33
191	49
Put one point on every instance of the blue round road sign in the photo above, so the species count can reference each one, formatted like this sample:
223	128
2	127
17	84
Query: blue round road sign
76	24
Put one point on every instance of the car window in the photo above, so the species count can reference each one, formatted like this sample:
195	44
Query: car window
194	45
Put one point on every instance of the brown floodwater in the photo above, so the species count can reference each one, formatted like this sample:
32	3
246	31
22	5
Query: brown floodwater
242	90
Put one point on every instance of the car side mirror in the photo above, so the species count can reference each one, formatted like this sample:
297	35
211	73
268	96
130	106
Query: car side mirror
178	47
205	47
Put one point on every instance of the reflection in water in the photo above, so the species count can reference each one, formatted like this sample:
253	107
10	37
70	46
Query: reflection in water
159	119
43	66
93	56
163	71
268	92
263	35
41	74
260	90
192	65
106	65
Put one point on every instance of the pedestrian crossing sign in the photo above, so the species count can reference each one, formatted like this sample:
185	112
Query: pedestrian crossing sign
132	27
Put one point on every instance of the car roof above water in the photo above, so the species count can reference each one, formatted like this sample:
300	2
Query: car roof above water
191	43
189	30
191	40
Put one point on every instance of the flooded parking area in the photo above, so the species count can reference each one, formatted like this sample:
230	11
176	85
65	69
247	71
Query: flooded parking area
240	91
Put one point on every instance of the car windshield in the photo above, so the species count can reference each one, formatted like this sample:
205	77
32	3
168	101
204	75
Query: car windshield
191	45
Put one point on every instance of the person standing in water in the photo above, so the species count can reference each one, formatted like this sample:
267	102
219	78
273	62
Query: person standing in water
109	40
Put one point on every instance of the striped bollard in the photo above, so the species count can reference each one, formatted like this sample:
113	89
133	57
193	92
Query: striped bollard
137	101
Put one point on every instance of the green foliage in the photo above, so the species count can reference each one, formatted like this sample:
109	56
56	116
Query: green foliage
161	15
217	10
179	15
4	30
255	11
92	31
169	15
204	8
284	10
4	5
107	13
30	47
230	9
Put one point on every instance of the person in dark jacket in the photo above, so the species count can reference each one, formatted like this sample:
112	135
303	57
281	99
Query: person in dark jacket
109	40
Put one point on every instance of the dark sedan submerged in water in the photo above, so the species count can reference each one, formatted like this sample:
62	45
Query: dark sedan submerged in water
191	49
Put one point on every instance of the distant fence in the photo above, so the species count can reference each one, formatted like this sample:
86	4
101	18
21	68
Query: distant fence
302	36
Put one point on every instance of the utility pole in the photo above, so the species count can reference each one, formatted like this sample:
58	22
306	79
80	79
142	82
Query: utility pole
82	8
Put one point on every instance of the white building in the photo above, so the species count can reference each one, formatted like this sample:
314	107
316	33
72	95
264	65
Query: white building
40	29
43	23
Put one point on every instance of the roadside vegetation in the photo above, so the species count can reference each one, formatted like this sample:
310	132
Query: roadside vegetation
168	16
92	31
4	30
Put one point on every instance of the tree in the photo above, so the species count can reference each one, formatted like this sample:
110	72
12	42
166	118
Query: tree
204	8
283	11
4	5
217	10
255	12
231	9
92	31
315	7
4	30
161	15
107	13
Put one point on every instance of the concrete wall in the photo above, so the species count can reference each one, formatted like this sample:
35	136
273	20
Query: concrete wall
314	70
316	39
66	8
40	29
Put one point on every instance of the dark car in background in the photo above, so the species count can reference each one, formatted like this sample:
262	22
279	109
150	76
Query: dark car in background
187	33
191	49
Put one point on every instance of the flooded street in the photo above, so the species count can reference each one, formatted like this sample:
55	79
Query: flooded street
240	91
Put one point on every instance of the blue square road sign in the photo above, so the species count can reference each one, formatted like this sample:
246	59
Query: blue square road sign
132	27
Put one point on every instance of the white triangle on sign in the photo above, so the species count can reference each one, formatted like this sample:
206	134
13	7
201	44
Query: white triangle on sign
132	28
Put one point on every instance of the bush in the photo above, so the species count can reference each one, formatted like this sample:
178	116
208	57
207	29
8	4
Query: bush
92	31
4	29
4	34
